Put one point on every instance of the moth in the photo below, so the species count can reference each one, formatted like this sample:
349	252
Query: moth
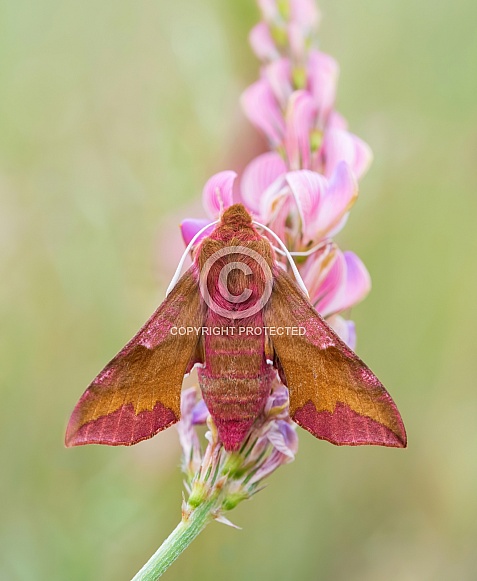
224	316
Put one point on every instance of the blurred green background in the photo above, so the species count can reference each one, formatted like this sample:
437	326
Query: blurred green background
113	114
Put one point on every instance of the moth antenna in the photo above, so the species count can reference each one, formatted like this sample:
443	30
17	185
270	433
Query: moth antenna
305	252
297	275
278	251
319	246
177	274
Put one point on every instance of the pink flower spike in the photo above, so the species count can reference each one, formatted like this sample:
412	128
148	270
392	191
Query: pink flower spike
262	109
323	73
308	189
262	42
340	195
258	176
218	193
190	226
340	145
279	74
300	122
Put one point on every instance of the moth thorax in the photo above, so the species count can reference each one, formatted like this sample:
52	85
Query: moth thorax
236	281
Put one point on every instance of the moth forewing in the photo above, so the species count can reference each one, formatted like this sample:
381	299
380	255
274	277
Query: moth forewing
333	394
138	393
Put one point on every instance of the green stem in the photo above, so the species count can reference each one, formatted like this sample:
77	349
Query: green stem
180	538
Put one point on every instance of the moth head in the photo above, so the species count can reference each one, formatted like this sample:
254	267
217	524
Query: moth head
236	217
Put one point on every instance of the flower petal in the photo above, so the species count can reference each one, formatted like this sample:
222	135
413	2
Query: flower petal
358	281
340	145
363	156
275	206
300	122
258	176
283	437
200	413
220	518
218	193
354	286
323	73
279	74
331	287
308	189
340	195
262	42
277	400
190	227
317	268
297	40
269	9
345	328
188	401
278	221
188	437
336	121
305	13
261	107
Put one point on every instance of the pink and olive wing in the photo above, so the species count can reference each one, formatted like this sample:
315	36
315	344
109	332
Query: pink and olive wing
138	393
333	394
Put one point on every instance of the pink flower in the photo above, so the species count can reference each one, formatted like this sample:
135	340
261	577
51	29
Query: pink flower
339	145
282	436
270	10
189	440
258	176
302	13
190	227
301	118
234	476
278	74
321	74
346	330
323	71
293	121
336	280
262	109
321	203
262	42
305	14
306	185
218	193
